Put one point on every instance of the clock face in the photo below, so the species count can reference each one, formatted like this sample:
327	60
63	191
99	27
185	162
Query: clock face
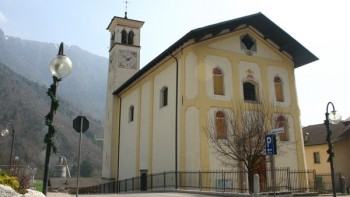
127	59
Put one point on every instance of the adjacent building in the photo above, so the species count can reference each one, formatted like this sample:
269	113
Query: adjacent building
316	146
155	115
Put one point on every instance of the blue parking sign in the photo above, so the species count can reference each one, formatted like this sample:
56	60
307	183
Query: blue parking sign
271	147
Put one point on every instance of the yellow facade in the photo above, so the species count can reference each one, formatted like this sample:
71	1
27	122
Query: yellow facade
172	137
323	165
341	158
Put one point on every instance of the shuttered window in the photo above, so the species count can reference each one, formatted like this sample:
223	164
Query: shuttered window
218	80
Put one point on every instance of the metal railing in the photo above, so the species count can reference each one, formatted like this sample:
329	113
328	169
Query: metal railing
277	180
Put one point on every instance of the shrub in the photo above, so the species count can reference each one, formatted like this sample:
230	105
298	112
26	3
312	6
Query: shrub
11	181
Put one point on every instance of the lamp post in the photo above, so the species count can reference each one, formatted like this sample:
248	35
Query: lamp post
15	167
6	132
60	67
333	118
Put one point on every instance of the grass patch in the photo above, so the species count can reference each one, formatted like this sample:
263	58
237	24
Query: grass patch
38	185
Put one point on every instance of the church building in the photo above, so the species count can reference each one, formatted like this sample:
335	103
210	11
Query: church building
156	116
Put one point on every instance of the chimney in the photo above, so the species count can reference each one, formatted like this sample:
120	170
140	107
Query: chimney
306	137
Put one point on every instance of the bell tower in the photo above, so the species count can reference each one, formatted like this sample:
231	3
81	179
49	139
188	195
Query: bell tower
124	50
124	61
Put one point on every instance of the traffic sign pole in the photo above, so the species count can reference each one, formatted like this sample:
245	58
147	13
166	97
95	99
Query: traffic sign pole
80	124
80	135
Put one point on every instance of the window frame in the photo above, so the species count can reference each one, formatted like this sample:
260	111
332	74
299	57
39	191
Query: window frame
124	37
220	125
218	82
131	36
254	85
317	157
131	113
164	96
278	84
281	122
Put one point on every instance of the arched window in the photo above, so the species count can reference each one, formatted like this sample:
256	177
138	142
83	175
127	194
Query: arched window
249	91
124	36
131	113
281	122
220	125
131	37
164	97
278	89
218	80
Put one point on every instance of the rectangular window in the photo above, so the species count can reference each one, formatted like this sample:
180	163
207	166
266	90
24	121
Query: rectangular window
279	92
131	113
317	157
220	128
164	97
218	85
249	91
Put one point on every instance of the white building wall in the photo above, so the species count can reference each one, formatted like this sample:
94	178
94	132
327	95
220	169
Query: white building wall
144	127
164	122
128	137
193	138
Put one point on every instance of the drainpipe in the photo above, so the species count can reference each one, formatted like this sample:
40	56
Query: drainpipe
120	107
176	108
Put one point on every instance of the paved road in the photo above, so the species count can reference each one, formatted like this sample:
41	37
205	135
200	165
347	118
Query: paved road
162	194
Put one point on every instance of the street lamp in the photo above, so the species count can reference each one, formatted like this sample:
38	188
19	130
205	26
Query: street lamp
5	132
15	167
60	67
333	118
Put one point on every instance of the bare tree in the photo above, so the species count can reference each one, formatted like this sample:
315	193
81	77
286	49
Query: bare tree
237	135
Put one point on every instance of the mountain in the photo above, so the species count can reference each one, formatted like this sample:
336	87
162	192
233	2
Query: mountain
24	79
85	87
24	103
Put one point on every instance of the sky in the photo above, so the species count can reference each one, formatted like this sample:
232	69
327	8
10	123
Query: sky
320	26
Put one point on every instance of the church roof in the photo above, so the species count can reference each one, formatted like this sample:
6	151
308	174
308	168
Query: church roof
258	22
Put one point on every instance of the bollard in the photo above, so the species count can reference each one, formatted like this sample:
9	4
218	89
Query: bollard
256	184
342	184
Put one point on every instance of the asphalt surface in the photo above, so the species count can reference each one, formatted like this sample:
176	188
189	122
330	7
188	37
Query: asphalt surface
153	194
162	194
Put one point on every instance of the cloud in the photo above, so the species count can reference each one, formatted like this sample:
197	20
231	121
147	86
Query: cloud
3	18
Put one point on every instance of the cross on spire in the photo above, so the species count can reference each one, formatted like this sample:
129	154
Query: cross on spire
126	8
